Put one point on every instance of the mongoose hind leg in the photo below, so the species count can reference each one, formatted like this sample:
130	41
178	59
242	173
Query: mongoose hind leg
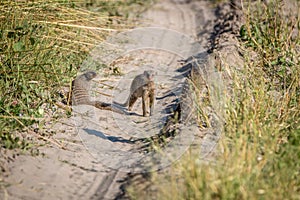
132	100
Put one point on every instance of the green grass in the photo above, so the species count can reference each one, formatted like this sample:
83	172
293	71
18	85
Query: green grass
260	157
42	44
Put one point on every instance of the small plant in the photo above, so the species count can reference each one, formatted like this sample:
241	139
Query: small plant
273	35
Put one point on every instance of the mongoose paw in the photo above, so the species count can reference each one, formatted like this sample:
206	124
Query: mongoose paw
146	114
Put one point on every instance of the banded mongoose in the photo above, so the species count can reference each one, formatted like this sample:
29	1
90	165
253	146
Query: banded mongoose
80	95
142	86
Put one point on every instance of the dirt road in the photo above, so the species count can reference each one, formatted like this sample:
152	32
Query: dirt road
100	148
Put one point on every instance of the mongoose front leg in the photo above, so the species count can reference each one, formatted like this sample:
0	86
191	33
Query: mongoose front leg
145	98
151	101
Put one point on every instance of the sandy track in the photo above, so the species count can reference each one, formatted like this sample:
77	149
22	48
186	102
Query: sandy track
99	150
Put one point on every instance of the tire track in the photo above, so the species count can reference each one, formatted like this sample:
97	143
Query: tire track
174	16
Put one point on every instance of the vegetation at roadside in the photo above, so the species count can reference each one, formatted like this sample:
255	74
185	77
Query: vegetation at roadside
260	148
41	48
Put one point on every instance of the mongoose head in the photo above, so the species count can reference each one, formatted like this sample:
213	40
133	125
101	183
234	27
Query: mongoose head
89	75
149	74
